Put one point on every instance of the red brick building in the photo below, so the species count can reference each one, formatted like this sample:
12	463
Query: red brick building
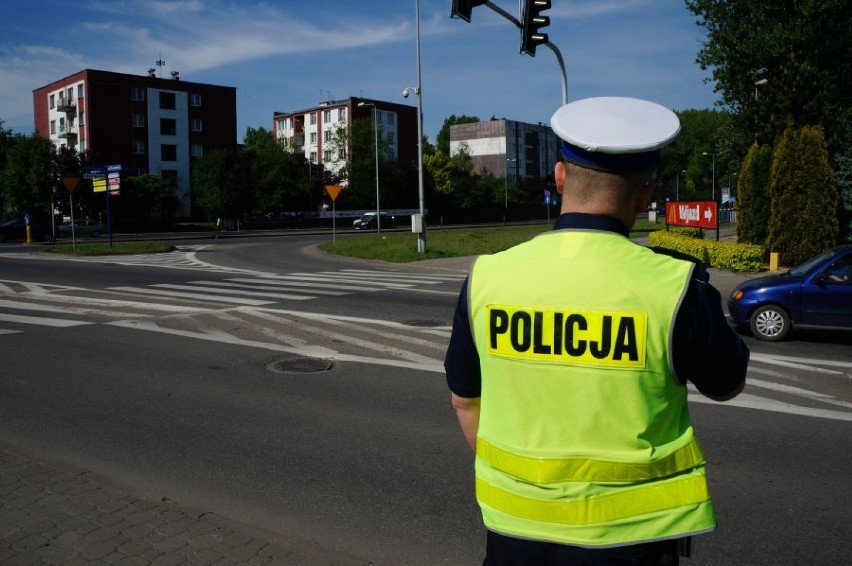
149	125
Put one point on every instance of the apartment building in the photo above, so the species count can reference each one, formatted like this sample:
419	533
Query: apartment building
147	124
320	133
506	148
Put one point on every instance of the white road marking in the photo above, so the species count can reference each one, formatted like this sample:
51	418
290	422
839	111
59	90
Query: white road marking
747	401
434	366
311	283
802	363
4	331
198	296
313	290
798	391
283	296
42	321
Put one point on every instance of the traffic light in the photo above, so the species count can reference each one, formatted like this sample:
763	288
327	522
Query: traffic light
531	36
463	8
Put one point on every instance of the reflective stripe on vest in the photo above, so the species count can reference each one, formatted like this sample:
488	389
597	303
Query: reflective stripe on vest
594	510
553	470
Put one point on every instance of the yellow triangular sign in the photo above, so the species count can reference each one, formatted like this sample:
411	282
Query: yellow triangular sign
333	191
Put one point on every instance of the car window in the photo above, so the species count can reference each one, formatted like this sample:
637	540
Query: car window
808	266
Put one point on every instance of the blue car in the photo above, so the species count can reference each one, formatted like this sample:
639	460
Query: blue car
815	295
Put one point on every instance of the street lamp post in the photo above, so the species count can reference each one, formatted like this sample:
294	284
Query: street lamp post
677	184
713	183
376	143
421	237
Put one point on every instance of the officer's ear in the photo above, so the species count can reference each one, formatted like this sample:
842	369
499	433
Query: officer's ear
643	197
559	176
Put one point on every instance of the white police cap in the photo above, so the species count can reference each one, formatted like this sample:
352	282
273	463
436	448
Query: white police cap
614	133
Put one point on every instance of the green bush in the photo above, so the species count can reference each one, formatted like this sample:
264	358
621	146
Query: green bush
687	231
721	255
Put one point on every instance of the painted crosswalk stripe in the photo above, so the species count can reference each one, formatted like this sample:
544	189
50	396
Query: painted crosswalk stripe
235	285
284	296
337	278
312	282
41	321
196	296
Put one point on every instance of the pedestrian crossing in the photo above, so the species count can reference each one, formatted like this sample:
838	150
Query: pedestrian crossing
272	312
201	295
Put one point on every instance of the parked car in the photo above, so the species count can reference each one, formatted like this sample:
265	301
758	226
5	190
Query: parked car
368	221
814	295
16	230
81	228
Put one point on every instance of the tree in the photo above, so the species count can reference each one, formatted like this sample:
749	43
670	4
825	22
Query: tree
802	48
843	177
754	204
442	140
139	197
222	184
803	220
26	181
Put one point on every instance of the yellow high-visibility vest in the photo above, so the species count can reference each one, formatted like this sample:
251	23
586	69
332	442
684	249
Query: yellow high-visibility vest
584	434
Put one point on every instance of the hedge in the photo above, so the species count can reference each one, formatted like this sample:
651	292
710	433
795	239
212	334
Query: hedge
722	255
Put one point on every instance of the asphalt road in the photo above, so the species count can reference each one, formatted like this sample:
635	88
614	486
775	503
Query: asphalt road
166	387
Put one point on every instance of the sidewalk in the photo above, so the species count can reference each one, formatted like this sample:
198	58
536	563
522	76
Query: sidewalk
55	514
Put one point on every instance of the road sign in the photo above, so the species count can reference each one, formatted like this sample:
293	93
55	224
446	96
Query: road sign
333	191
71	184
99	185
700	214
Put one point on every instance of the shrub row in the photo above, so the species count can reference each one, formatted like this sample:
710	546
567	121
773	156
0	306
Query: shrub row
722	255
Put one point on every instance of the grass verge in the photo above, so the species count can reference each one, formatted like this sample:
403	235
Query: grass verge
401	247
103	248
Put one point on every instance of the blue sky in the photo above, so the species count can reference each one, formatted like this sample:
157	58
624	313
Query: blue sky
285	55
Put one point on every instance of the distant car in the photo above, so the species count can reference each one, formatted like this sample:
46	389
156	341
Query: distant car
16	230
81	228
815	295
368	221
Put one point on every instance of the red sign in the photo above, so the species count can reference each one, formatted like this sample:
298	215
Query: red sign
701	214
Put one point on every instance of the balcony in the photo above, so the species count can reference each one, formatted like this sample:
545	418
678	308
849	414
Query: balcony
66	106
67	134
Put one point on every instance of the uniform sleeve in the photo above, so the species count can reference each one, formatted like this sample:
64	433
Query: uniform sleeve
462	361
705	350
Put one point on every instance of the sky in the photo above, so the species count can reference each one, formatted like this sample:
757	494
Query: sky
287	55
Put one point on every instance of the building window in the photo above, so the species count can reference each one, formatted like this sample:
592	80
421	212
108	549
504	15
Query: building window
53	127
391	118
313	118
138	147
71	93
168	152
82	146
168	127
313	137
341	153
82	118
167	101
138	94
313	157
197	150
138	120
52	102
379	116
326	155
326	116
341	113
326	135
389	137
79	91
196	124
195	99
62	125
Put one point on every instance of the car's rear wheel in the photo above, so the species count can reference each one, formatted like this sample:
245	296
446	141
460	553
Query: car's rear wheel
770	323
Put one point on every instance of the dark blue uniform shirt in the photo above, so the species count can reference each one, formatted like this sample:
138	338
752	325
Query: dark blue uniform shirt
705	350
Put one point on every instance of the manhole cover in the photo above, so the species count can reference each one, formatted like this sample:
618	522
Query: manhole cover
419	322
300	365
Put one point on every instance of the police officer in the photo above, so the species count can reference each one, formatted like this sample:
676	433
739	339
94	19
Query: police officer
569	359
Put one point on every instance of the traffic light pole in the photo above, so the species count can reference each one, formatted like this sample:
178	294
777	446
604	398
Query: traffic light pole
556	52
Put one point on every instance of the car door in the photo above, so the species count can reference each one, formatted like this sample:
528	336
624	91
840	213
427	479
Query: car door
827	295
